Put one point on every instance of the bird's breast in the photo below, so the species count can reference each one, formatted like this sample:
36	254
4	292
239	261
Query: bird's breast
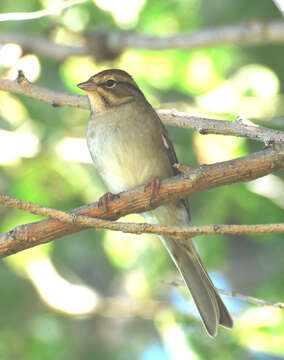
125	152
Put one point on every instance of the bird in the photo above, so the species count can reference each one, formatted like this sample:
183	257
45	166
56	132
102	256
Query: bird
131	147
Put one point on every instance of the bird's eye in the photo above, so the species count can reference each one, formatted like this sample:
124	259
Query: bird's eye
110	83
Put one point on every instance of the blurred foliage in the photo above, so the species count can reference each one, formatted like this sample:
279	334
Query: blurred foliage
50	295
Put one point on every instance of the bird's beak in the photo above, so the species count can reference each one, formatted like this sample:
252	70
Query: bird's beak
87	86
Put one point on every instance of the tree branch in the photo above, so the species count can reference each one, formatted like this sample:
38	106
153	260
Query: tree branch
23	86
105	45
251	299
52	10
154	229
170	117
240	127
138	228
138	200
235	295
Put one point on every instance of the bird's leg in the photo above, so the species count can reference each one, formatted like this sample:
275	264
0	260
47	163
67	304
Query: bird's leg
154	186
105	199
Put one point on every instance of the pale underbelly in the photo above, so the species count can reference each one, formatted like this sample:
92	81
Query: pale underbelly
125	161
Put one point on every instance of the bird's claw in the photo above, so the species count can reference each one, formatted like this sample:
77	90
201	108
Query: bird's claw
105	199
154	186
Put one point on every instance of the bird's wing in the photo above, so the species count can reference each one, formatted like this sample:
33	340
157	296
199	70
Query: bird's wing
173	159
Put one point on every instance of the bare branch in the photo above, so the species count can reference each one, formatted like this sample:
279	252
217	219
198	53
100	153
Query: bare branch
235	295
221	127
251	299
280	5
41	45
53	10
170	117
104	303
137	200
23	86
138	228
126	307
246	33
243	34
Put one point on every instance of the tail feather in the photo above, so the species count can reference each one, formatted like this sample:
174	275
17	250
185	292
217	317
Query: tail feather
210	305
225	317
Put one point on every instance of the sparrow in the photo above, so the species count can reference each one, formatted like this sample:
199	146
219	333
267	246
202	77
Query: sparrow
131	147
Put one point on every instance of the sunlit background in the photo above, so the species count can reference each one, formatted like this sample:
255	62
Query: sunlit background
102	295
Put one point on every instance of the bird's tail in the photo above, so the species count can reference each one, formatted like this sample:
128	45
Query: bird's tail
210	305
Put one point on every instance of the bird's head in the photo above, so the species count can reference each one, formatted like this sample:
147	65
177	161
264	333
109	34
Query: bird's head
110	88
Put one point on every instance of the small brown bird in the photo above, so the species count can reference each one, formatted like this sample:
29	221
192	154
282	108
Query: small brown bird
130	147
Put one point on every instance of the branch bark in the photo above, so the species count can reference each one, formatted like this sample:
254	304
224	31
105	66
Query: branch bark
140	228
170	117
105	45
137	200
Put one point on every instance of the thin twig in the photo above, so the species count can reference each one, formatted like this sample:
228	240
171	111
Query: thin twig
52	10
280	5
170	117
222	127
243	34
234	295
251	299
138	228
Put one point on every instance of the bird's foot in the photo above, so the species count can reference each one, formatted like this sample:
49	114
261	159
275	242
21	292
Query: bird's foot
154	186
105	199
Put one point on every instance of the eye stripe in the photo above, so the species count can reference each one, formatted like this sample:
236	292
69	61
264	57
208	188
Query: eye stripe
117	82
109	83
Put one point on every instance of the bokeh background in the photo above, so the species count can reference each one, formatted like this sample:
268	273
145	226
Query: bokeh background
100	294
